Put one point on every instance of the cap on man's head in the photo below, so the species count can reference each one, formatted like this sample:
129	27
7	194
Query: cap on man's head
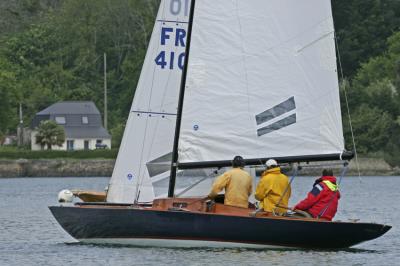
271	162
238	161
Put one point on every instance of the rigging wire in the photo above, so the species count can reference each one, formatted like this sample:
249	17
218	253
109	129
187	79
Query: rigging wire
348	108
190	187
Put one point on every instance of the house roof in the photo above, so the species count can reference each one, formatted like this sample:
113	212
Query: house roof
71	107
73	111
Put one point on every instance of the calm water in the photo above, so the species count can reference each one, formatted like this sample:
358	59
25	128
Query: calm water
29	235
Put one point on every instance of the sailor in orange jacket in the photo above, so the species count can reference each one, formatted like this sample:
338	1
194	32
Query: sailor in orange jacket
237	184
273	188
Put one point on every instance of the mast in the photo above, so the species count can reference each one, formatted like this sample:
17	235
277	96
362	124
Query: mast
174	161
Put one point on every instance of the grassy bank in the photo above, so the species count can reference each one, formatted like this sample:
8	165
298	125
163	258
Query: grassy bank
19	153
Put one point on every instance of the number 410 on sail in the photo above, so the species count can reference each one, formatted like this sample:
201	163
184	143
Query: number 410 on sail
163	59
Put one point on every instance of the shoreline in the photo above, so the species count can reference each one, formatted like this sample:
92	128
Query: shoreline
56	167
104	167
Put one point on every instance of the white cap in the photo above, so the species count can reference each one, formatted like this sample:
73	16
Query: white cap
271	162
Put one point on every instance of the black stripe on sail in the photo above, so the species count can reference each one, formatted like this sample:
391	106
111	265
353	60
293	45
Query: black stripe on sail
159	165
276	111
277	125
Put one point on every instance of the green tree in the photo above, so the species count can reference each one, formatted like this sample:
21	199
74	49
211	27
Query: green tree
8	96
17	15
49	134
374	98
372	129
117	133
362	27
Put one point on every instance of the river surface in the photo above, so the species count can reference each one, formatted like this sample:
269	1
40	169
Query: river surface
29	235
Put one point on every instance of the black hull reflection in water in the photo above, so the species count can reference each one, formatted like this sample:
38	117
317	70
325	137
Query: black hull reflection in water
144	227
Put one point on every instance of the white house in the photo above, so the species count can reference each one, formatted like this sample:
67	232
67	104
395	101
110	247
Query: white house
82	124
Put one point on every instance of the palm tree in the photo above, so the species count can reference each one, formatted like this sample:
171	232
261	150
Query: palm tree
50	133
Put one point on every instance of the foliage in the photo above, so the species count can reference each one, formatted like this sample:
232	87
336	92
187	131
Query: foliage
8	105
371	128
17	15
392	151
1	138
49	134
117	133
362	27
374	103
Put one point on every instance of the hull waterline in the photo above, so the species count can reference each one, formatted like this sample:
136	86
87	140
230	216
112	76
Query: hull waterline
144	227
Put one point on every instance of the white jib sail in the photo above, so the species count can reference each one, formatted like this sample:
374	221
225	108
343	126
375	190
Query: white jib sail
145	152
262	81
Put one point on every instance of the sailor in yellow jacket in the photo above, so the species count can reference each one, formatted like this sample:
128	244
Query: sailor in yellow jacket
237	184
272	188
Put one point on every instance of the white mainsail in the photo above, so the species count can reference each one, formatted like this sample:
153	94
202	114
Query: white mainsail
145	152
262	81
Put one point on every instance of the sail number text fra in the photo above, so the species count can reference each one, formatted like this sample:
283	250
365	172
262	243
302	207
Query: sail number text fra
171	59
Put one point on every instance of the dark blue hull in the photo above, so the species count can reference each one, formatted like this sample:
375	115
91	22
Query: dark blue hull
105	223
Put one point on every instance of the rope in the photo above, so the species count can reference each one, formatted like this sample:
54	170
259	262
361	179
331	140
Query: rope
348	108
296	169
334	194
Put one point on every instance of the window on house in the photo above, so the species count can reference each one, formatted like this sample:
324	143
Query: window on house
60	120
70	145
85	120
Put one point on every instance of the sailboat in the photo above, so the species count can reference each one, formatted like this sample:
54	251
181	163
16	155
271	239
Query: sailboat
223	78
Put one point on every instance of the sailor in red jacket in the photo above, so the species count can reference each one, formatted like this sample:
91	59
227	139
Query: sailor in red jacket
322	200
